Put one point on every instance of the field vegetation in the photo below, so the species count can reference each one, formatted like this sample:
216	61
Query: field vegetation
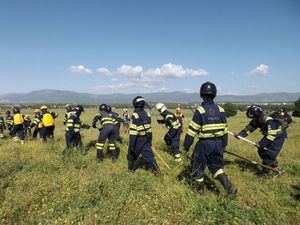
38	186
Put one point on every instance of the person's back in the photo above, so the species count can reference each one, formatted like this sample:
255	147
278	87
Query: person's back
210	126
140	137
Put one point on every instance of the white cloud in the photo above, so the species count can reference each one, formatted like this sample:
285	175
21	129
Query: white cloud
104	71
80	69
130	70
260	70
174	71
133	79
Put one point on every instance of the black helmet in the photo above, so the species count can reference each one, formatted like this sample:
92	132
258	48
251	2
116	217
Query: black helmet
108	108
138	101
79	108
16	110
103	107
7	112
254	111
208	89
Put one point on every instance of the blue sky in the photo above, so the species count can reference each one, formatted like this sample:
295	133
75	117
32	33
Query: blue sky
130	46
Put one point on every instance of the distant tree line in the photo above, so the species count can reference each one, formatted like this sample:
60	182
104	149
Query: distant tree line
231	109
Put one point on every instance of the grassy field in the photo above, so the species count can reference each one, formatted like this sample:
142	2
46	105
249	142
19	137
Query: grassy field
37	186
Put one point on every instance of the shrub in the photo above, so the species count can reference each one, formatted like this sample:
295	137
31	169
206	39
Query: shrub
230	109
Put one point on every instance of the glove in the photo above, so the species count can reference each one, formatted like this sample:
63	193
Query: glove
85	126
236	135
94	126
160	121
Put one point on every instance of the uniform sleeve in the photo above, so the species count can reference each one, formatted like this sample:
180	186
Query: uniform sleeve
96	118
54	114
248	129
288	118
169	120
273	131
133	131
65	118
194	127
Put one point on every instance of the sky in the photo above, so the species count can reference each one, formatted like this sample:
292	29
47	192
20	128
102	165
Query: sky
136	46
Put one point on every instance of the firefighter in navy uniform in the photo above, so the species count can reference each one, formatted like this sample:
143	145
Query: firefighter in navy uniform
18	128
67	113
9	121
48	123
106	132
210	126
273	139
140	137
27	128
117	123
73	126
172	137
2	126
37	124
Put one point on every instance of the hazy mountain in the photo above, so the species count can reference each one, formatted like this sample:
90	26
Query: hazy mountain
58	96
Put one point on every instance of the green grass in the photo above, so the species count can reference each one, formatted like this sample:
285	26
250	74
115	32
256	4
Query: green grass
38	186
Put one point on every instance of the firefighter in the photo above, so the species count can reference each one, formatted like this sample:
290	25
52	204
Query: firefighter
18	128
73	126
37	124
172	137
9	121
106	132
140	137
273	137
179	115
117	124
126	119
27	128
209	125
2	126
48	123
68	113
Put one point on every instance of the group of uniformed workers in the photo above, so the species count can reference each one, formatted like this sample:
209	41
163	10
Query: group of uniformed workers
209	126
20	125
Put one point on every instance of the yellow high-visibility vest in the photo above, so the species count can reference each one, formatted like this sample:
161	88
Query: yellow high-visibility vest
48	120
18	119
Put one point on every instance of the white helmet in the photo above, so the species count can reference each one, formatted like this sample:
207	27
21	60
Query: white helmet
160	107
125	110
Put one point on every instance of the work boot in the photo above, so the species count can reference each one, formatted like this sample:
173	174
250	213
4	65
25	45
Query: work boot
90	145
155	169
231	190
114	155
198	185
131	166
99	155
265	173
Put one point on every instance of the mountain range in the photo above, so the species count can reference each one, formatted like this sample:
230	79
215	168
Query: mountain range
61	96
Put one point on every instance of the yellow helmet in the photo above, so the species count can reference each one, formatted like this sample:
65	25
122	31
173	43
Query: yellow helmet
67	106
37	111
27	117
43	107
177	109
